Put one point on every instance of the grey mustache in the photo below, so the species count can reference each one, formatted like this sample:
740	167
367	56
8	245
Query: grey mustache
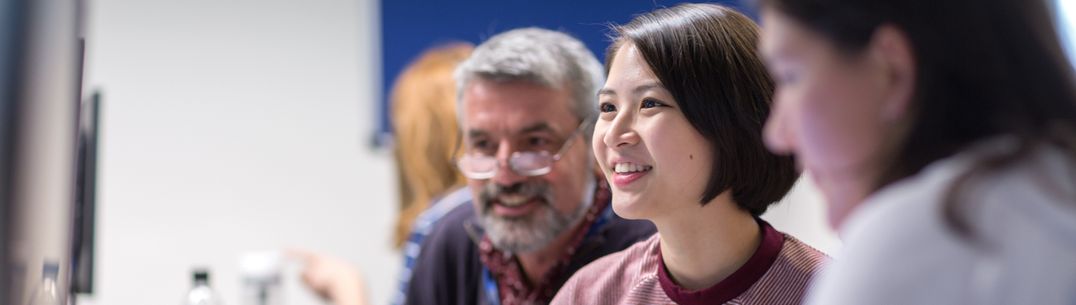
527	189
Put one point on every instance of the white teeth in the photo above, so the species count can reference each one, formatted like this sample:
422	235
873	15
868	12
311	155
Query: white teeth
630	168
513	200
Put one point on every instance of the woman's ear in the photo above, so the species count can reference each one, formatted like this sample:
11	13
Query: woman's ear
894	50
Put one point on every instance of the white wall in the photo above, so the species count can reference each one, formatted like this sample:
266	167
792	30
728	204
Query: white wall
1066	25
803	214
230	126
238	125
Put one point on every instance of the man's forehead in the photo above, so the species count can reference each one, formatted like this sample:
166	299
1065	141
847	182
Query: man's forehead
505	126
514	108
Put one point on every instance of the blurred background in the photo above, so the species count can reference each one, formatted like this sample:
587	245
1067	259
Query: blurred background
227	127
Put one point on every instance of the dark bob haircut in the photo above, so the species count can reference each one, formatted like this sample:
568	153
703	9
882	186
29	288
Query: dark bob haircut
984	68
706	56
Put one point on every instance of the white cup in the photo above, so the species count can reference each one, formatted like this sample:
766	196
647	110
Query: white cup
261	276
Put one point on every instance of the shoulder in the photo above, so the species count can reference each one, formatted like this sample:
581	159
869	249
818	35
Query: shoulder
1035	191
448	244
1025	215
902	231
1031	197
425	222
451	228
1035	197
799	260
895	242
447	268
907	214
789	276
442	206
613	275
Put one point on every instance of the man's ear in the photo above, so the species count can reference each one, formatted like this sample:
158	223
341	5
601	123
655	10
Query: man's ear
891	46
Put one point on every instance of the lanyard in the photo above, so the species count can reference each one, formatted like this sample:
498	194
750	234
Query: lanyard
493	293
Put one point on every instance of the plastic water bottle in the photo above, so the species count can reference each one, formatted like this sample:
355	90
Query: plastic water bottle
201	293
47	292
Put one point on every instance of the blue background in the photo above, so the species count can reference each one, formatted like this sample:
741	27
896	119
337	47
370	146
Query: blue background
409	27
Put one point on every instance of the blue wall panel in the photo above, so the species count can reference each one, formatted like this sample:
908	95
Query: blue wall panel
408	27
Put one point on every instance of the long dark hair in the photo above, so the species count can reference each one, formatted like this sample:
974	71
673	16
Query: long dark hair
706	56
985	68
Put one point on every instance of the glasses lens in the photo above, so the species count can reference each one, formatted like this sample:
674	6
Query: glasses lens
477	167
531	163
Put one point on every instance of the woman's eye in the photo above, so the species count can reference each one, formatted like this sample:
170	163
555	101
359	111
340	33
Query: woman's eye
606	107
651	103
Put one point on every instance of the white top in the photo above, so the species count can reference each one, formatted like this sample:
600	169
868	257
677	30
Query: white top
899	249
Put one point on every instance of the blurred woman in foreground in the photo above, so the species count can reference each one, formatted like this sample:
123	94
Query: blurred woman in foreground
943	135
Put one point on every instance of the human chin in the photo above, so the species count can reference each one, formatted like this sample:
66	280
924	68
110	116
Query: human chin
519	218
526	234
841	198
628	205
533	233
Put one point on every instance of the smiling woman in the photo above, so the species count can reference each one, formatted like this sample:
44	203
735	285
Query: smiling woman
679	137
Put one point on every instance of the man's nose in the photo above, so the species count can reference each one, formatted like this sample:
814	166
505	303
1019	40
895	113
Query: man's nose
505	175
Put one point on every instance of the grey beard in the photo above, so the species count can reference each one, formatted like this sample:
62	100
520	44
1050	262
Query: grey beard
533	232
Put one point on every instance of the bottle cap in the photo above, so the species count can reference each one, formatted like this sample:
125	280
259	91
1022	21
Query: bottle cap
201	275
50	269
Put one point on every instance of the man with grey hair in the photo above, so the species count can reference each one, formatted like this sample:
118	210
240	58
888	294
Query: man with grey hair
527	100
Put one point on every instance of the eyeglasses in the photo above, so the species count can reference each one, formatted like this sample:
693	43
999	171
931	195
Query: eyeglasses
525	163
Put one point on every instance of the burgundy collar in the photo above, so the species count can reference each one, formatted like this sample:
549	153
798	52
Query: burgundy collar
735	284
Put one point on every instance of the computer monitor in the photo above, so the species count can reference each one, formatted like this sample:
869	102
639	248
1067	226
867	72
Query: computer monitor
85	197
84	210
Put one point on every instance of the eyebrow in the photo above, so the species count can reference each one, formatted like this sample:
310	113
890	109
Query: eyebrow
474	133
639	89
541	126
537	127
